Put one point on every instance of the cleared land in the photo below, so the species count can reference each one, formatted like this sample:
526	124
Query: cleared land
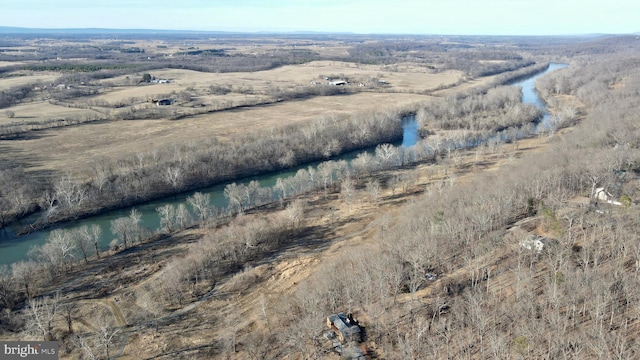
43	111
76	147
20	78
397	78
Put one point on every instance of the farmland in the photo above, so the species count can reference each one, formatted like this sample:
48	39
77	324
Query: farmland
422	245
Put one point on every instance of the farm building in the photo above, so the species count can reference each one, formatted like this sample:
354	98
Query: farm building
345	327
346	336
604	195
534	242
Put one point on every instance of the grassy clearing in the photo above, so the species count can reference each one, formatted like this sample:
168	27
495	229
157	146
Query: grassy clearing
75	148
399	78
42	111
20	78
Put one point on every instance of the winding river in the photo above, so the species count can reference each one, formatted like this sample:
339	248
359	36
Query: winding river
14	248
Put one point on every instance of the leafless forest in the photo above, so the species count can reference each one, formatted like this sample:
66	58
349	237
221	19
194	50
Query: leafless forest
520	249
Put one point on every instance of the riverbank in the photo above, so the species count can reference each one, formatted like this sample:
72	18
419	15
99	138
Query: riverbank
331	223
149	216
92	202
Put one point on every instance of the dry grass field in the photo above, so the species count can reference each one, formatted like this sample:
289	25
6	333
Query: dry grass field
249	45
43	111
20	78
73	148
76	147
399	78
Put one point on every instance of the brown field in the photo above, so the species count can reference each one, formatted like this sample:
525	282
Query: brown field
257	47
400	78
26	77
75	148
43	111
52	149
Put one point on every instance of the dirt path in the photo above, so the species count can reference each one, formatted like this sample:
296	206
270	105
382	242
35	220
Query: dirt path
113	308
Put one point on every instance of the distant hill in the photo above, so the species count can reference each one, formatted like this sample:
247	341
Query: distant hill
76	31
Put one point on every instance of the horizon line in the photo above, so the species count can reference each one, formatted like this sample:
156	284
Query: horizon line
23	29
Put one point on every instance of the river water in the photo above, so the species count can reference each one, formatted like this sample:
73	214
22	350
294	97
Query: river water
530	95
14	248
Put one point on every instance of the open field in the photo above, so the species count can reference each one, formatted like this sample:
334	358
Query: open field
401	77
218	89
20	78
43	111
50	149
124	93
9	63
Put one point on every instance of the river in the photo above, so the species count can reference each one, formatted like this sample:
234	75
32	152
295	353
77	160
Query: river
14	248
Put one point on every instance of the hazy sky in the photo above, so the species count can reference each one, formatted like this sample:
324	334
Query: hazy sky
501	17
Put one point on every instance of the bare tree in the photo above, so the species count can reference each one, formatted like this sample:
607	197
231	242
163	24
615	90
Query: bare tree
347	189
106	335
233	193
173	176
251	191
81	342
295	213
387	155
200	203
57	253
68	309
7	288
183	217
282	186
102	173
94	233
326	169
373	189
82	240
127	229
167	217
42	312
25	274
70	191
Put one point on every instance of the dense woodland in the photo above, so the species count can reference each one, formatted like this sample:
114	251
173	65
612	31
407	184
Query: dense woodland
493	298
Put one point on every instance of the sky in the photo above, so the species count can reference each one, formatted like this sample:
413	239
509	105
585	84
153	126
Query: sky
450	17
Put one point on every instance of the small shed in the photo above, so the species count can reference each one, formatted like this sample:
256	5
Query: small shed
604	195
345	327
534	242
